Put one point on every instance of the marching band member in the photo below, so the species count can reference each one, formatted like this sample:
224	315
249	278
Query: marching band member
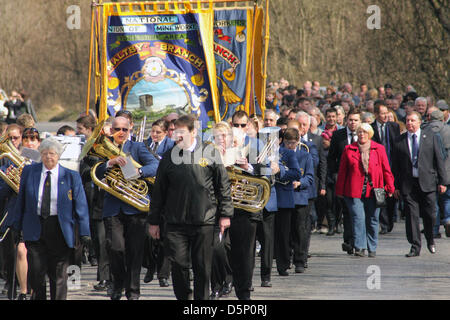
125	225
265	229
154	258
85	126
8	198
191	195
286	205
51	201
159	142
301	222
243	225
221	273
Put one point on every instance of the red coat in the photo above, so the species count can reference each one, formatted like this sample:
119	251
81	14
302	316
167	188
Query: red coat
351	173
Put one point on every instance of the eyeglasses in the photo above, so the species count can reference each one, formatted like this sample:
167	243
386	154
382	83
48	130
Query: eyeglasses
31	138
237	125
290	143
121	129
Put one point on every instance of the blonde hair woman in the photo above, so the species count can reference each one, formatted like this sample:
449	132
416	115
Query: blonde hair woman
364	166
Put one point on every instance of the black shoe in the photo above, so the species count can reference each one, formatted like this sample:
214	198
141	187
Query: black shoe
330	232
412	253
93	262
431	248
251	289
132	296
22	296
447	229
372	254
266	284
359	253
299	269
338	229
348	248
214	295
148	276
164	283
116	295
283	273
101	286
226	289
383	231
437	236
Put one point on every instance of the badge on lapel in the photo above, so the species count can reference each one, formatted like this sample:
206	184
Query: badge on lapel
302	172
69	194
203	162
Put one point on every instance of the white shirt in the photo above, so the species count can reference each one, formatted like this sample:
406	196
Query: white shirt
305	137
348	136
54	189
417	133
380	130
192	147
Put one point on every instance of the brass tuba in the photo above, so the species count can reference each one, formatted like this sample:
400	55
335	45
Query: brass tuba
133	192
9	151
249	193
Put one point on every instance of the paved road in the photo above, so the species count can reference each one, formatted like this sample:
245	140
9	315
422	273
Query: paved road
334	275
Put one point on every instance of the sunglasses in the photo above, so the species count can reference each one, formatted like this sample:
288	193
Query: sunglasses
121	129
237	125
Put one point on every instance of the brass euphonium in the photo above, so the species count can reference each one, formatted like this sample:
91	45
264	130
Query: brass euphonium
248	192
9	151
133	192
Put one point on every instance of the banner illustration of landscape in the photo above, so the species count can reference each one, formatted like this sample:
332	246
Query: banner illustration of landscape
156	64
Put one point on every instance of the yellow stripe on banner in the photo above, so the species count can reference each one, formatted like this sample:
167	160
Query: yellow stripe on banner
103	112
257	56
206	27
248	81
266	51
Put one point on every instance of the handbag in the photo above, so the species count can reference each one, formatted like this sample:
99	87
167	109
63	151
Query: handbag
379	194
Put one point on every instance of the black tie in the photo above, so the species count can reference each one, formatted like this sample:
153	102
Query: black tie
45	205
155	147
382	137
352	137
415	152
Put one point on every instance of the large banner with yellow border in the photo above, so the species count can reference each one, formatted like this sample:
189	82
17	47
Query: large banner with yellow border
159	57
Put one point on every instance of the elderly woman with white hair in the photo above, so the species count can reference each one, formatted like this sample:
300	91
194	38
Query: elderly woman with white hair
364	166
50	203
